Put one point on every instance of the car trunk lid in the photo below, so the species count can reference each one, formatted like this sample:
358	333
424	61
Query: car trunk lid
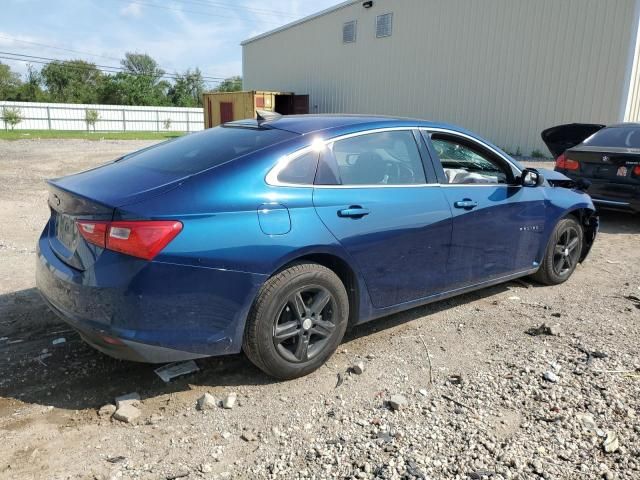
615	165
64	238
563	137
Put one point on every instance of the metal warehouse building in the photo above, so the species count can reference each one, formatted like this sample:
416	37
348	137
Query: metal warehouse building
506	69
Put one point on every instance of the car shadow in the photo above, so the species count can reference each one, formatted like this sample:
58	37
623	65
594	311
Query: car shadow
615	222
37	368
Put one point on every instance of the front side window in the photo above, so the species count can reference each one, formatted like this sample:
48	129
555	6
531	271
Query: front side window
379	158
465	165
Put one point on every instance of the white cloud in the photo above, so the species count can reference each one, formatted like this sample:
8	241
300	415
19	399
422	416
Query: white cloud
132	10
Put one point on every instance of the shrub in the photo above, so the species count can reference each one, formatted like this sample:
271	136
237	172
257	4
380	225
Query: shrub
11	117
91	117
167	124
537	154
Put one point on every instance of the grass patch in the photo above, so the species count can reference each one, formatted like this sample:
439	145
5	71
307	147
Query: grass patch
56	134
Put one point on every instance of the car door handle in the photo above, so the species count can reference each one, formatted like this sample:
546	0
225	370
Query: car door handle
467	204
354	211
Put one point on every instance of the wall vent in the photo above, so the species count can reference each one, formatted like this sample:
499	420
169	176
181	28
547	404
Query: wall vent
384	25
349	32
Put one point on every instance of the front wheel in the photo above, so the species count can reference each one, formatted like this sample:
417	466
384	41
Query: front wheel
563	253
297	322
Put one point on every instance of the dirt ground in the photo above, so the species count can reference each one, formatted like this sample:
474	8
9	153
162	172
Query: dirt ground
506	420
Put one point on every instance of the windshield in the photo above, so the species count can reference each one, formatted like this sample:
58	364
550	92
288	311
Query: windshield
199	151
622	137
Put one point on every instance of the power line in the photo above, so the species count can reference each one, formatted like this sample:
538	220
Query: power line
58	48
32	59
262	11
182	10
79	51
110	69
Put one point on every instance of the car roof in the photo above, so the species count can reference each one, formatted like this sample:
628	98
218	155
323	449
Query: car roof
624	125
305	124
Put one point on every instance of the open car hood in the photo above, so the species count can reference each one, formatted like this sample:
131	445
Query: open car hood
563	137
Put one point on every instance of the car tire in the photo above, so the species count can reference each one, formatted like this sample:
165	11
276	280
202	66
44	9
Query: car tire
289	332
562	254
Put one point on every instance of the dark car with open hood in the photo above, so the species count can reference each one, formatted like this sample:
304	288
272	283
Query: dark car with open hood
607	159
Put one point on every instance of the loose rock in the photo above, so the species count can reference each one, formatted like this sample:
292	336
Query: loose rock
107	410
229	401
549	376
126	413
611	443
358	368
206	402
397	402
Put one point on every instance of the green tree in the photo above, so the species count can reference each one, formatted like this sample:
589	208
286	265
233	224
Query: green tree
31	88
231	84
11	116
9	83
140	84
91	117
128	89
187	90
142	64
72	81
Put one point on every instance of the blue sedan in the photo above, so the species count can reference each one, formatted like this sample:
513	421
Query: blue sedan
275	235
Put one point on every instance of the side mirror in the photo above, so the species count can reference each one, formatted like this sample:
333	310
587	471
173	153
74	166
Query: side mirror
530	177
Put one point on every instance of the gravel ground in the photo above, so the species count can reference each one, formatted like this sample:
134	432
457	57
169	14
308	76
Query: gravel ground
453	390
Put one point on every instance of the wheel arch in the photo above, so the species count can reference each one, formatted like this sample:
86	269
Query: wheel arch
342	268
588	219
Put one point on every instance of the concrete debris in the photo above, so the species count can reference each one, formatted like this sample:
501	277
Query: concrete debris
229	401
398	402
132	399
126	413
206	402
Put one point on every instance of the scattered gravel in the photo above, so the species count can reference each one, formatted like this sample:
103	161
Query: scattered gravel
489	413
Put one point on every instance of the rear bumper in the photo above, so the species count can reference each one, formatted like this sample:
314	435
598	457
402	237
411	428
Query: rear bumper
610	195
148	311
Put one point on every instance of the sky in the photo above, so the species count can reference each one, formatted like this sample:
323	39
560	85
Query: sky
178	34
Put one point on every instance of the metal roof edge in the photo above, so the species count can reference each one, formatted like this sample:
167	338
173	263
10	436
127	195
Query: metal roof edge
306	19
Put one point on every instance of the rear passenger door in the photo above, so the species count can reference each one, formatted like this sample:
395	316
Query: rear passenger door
497	223
373	193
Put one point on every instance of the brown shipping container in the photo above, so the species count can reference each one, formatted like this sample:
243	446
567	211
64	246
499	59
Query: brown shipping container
228	106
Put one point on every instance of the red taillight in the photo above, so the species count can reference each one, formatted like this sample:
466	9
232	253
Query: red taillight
93	232
636	170
567	163
139	238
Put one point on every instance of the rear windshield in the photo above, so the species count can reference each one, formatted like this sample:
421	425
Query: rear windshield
623	137
199	151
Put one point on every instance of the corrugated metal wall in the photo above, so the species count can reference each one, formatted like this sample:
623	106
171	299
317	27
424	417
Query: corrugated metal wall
506	69
632	104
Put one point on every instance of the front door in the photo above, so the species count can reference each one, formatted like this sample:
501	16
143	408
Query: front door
226	112
497	224
373	195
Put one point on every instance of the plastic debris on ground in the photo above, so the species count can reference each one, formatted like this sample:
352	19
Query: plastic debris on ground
177	369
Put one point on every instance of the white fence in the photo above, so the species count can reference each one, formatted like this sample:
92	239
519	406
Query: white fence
111	118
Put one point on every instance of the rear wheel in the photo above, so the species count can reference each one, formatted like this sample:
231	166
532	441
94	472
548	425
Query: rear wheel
297	321
563	253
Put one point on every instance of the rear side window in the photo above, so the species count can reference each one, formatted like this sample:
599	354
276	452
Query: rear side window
379	158
301	170
623	137
199	151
